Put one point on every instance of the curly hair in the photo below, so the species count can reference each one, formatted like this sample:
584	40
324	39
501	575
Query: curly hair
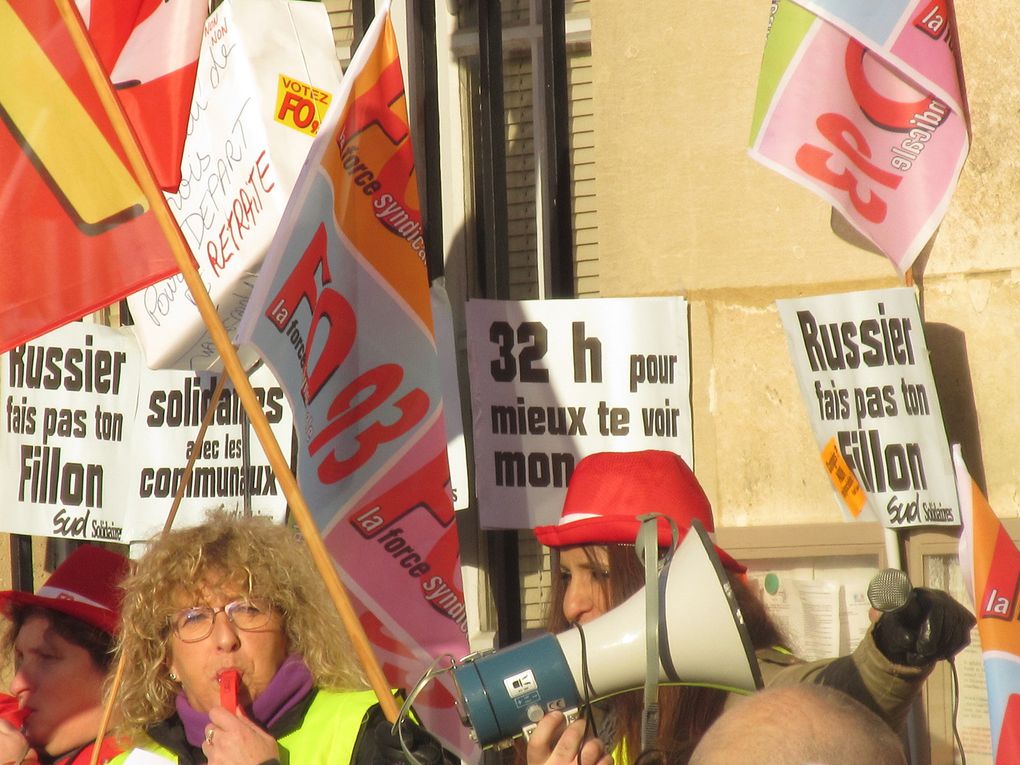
262	559
685	711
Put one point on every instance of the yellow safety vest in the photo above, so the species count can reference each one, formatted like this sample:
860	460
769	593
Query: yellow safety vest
326	736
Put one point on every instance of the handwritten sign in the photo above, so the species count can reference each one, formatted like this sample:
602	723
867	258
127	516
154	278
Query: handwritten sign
248	135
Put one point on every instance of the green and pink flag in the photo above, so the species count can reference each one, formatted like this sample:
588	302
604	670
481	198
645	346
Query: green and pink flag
863	103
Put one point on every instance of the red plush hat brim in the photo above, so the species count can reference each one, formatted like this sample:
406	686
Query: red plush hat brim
610	530
101	618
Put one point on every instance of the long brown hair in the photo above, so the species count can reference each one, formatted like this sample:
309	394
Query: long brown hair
685	712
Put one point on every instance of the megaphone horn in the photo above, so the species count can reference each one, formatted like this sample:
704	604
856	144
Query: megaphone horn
702	641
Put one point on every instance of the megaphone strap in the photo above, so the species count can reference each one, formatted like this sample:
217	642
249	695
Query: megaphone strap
647	547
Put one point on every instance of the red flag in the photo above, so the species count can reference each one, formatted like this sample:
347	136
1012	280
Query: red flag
150	50
76	228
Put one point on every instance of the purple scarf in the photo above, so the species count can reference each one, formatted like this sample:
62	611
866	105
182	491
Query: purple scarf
289	685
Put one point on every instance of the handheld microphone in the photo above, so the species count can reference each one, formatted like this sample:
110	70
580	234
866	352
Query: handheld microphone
919	626
890	592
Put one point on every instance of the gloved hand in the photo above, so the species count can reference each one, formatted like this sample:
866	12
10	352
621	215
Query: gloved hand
929	627
423	747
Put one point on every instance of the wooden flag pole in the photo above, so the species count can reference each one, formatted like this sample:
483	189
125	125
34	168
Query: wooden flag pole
118	674
232	365
210	412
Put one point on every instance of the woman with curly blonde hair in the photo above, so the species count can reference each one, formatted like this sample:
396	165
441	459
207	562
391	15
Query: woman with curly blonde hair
234	653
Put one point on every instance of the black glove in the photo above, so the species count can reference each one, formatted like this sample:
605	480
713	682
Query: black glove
423	747
929	627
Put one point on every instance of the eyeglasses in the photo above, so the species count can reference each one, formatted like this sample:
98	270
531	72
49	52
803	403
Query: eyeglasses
196	623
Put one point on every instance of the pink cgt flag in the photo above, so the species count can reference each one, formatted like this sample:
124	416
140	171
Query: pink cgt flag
863	104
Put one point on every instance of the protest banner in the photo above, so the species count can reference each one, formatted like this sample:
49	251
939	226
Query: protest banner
69	401
862	365
78	230
863	104
555	380
230	471
266	75
93	444
341	313
990	563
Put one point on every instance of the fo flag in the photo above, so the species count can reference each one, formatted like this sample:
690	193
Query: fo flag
149	48
77	230
341	312
863	104
991	567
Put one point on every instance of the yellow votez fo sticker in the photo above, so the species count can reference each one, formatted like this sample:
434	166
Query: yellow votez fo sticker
299	105
843	478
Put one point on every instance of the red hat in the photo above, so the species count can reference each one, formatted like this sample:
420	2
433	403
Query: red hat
609	490
86	586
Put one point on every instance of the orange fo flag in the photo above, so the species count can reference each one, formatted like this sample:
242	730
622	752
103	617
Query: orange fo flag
77	230
991	569
341	313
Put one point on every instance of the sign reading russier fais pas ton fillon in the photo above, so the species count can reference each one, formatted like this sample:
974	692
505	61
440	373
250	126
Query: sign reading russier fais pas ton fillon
862	364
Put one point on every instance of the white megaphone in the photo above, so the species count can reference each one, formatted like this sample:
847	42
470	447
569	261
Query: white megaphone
702	640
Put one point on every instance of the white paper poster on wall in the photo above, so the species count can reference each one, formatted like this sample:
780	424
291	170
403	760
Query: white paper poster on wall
456	448
862	364
555	380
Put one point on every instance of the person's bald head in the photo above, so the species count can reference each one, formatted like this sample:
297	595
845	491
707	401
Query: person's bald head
799	725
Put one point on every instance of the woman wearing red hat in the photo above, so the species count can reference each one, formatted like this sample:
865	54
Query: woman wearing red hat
597	569
60	640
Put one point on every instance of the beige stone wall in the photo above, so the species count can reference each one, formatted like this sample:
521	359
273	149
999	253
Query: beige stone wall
684	210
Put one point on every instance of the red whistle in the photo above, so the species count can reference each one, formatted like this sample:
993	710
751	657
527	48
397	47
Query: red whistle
229	680
10	711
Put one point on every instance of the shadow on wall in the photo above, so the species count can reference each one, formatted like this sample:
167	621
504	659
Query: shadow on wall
951	370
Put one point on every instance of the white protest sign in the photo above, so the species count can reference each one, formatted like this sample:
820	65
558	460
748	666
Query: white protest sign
171	406
555	380
69	401
93	445
862	364
266	74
